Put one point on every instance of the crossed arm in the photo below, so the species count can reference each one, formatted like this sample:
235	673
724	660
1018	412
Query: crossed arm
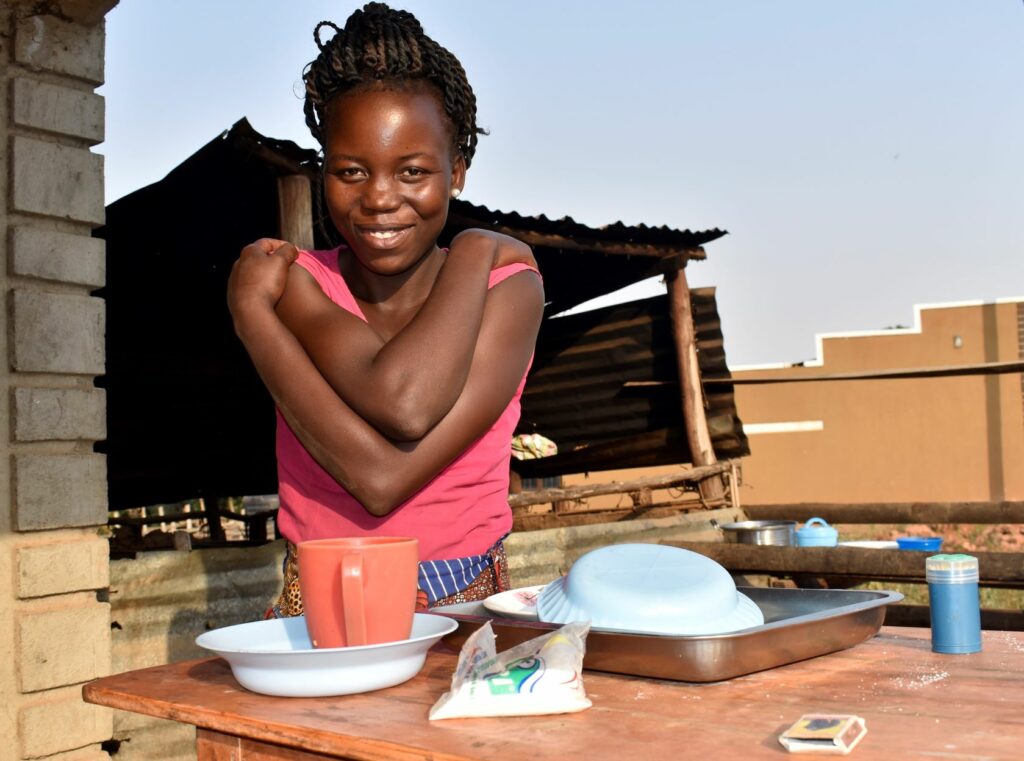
404	385
489	355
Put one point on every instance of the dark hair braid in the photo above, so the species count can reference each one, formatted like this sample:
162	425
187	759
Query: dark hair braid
379	44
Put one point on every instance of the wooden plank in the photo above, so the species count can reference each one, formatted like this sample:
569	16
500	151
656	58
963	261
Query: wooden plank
917	704
667	481
893	512
295	210
216	746
538	522
213	508
852	562
920	615
695	421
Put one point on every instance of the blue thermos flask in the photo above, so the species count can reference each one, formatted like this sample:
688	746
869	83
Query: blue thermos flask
953	598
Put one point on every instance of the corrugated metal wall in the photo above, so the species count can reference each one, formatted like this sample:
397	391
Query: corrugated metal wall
576	395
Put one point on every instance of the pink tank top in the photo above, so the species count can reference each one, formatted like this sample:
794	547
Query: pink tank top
463	511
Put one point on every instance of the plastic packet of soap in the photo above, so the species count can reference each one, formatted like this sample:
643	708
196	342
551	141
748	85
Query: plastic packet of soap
540	676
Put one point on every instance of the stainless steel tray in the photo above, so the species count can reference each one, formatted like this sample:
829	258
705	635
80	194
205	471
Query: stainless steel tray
799	624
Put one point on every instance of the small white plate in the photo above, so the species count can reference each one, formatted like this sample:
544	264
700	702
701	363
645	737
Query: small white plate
275	657
872	544
515	603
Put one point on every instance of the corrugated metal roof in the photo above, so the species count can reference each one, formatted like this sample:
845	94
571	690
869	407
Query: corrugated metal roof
639	240
286	157
579	262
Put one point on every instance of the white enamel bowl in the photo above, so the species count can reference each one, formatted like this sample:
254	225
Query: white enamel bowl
275	657
649	589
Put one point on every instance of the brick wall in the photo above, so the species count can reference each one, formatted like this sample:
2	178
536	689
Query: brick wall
54	569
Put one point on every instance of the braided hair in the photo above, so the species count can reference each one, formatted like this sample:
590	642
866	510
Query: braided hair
379	44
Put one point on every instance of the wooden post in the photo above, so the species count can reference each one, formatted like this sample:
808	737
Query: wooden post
694	420
212	510
295	210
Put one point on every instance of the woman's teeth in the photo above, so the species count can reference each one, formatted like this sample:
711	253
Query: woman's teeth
383	234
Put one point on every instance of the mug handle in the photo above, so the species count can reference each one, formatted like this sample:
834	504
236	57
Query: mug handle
352	599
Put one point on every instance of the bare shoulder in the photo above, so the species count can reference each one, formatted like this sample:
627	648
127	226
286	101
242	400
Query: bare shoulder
302	299
519	298
493	238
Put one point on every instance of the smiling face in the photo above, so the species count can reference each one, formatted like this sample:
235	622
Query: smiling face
389	174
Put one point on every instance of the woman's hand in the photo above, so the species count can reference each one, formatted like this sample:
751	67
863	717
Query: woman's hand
259	275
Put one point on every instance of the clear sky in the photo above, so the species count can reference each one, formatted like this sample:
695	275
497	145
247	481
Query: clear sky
865	155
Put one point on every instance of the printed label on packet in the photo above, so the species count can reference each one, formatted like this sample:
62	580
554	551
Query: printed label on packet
516	677
540	676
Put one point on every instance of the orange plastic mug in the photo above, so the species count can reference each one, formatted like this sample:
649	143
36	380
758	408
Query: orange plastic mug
358	590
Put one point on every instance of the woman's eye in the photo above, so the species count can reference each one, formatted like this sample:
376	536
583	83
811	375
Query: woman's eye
414	171
349	173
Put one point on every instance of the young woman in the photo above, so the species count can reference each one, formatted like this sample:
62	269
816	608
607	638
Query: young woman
396	366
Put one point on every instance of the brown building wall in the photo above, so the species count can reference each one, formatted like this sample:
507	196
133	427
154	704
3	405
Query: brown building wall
927	439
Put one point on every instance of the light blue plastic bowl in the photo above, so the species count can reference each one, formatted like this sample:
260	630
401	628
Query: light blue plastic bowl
649	589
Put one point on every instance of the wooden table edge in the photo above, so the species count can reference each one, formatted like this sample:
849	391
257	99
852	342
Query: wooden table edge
342	745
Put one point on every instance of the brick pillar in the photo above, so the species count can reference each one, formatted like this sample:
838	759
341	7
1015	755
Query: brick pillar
1020	344
54	570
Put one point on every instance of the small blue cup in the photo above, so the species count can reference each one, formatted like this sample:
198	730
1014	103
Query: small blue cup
816	533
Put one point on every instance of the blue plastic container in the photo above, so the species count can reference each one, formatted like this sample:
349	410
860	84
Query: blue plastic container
953	598
816	533
650	589
920	543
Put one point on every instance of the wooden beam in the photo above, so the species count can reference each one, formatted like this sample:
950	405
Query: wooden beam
944	371
525	522
667	481
212	510
919	615
694	418
893	512
538	521
848	562
295	210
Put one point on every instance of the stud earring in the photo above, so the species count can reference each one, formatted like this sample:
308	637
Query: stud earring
455	192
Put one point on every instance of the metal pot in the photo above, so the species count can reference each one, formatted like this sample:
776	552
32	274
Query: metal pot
781	533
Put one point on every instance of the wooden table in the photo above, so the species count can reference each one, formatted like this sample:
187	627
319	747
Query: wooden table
917	704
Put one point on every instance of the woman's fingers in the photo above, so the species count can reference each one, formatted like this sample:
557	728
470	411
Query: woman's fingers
260	274
286	251
266	246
